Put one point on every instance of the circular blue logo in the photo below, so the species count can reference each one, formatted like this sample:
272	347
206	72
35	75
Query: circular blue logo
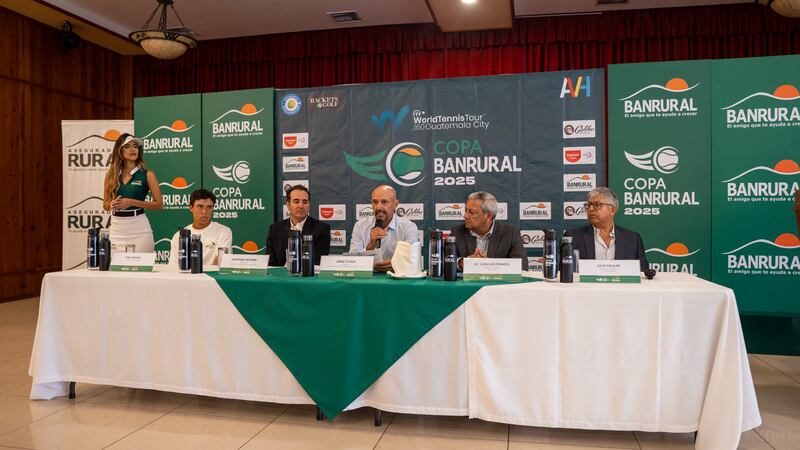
290	104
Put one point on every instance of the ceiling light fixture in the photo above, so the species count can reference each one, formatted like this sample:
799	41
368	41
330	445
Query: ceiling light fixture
787	8
163	42
469	2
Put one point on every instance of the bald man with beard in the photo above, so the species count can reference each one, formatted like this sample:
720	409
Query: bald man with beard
392	229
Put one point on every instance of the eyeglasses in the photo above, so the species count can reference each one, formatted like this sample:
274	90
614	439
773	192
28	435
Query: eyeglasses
597	205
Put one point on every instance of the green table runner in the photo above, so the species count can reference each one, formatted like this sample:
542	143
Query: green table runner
338	336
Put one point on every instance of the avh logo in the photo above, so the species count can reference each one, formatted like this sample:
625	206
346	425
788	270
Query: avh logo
572	90
238	172
404	164
390	117
664	160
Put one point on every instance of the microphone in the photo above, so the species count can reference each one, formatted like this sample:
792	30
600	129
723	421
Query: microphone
650	273
378	224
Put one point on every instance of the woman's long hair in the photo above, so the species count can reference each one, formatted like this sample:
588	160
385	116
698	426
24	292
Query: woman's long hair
114	172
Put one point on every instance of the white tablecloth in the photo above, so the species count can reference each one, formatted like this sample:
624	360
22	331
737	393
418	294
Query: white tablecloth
666	355
180	333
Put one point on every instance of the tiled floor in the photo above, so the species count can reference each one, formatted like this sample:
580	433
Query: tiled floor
108	417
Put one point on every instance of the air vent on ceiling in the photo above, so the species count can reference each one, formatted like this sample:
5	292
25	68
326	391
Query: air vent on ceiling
344	16
611	2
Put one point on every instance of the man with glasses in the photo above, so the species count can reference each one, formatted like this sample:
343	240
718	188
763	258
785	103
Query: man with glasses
481	236
602	239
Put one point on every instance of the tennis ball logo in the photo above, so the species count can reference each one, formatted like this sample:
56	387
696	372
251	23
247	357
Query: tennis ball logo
405	164
241	172
665	160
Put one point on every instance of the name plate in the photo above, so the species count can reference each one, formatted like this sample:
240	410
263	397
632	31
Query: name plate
341	266
243	264
610	271
374	253
132	262
492	269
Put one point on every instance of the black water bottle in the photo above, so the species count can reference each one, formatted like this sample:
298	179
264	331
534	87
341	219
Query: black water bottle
435	250
184	243
450	259
550	267
293	253
103	251
567	262
196	254
307	255
92	243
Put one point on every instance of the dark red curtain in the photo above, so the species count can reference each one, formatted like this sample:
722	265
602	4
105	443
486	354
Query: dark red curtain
412	52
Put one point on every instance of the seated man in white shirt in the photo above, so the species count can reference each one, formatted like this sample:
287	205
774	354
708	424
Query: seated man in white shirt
213	234
384	229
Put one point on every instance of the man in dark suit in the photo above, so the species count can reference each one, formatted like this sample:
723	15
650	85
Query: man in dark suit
602	239
483	237
298	201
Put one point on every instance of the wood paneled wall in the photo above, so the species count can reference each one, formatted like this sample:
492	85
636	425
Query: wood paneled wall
39	87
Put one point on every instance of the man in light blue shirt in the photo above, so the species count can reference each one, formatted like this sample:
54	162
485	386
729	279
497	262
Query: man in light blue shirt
384	229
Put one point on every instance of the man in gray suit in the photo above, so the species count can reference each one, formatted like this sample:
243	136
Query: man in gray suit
602	239
483	237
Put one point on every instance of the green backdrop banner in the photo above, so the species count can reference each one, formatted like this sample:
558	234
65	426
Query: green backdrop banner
660	158
238	163
171	130
756	149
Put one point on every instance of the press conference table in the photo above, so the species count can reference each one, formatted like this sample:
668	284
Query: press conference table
665	355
